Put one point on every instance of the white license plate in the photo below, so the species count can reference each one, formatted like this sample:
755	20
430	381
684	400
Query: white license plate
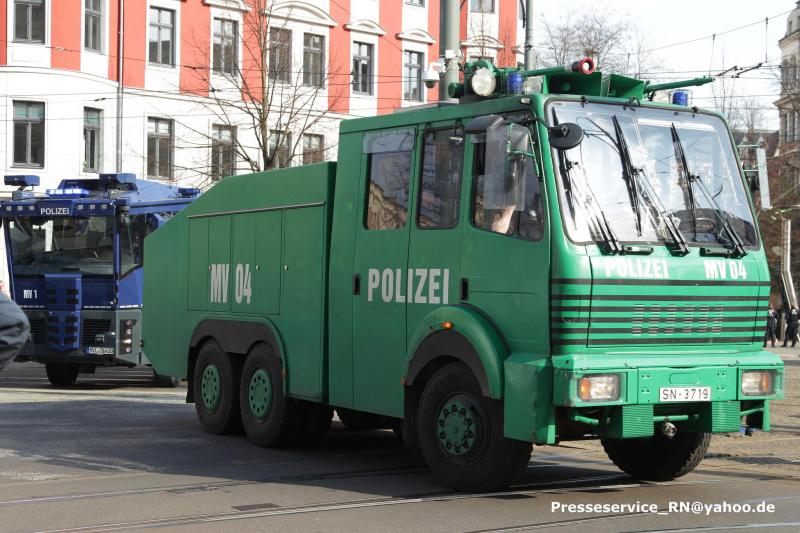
99	350
684	394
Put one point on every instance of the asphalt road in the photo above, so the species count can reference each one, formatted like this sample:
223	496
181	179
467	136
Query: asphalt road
114	453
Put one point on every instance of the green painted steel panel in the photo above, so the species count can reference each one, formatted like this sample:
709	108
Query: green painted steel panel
219	263
630	422
198	272
243	262
268	253
528	413
303	301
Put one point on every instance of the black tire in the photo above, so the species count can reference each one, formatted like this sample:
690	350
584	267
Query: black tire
222	416
282	423
61	374
658	458
492	461
168	382
361	421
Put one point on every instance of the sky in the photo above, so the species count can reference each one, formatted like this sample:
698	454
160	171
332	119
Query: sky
670	22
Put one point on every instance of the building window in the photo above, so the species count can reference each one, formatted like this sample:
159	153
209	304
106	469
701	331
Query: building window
29	134
223	153
159	148
313	149
279	151
29	17
362	68
419	3
225	46
481	6
412	76
162	37
280	54
313	60
93	25
92	130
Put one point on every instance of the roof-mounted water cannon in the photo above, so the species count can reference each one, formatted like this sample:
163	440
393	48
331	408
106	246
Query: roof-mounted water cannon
22	182
585	66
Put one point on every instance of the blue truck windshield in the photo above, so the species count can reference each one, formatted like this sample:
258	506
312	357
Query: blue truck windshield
42	245
684	163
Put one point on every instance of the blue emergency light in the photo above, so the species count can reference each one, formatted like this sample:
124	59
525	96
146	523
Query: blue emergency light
188	192
68	193
21	180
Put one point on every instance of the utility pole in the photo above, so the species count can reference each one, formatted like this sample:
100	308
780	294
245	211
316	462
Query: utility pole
530	60
449	46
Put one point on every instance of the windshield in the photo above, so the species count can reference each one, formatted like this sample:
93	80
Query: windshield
655	165
62	245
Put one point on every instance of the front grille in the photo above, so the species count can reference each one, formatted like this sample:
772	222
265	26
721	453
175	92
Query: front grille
92	327
38	330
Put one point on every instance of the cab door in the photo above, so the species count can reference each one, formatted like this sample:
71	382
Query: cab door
506	245
379	270
434	264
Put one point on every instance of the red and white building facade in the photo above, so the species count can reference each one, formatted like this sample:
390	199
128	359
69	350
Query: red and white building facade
60	84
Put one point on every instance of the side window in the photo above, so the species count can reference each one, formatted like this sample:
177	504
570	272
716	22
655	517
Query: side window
389	172
131	243
506	195
440	189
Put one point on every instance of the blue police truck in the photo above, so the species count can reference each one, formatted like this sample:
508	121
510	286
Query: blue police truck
75	257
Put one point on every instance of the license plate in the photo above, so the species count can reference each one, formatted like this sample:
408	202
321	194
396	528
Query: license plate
685	394
99	350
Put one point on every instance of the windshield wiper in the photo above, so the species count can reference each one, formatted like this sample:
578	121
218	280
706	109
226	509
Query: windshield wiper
654	202
738	245
602	227
678	146
628	174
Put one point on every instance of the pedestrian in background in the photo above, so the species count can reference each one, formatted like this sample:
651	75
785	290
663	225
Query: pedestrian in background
14	330
792	319
772	327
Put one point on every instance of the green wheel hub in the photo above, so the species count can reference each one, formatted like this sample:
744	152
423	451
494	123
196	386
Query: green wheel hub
260	394
457	427
210	388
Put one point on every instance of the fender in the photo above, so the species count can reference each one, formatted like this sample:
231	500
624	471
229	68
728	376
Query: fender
472	339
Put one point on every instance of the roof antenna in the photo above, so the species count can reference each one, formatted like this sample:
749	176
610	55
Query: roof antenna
711	61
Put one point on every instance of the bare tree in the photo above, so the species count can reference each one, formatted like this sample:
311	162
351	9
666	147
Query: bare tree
266	102
612	39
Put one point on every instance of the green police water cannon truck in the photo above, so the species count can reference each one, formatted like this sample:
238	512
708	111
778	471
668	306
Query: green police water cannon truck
538	263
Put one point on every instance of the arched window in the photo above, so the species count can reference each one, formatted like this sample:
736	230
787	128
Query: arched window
793	72
785	73
790	130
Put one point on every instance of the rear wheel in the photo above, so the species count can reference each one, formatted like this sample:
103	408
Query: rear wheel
61	374
461	434
216	385
658	458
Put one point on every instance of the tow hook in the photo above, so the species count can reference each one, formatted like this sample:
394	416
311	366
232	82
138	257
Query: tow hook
668	429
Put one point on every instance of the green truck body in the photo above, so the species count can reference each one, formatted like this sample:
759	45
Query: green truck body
368	292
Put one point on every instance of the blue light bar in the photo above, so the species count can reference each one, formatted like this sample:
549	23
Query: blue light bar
68	193
21	180
188	192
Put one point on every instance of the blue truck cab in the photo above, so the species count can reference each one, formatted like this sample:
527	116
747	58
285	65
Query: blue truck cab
75	258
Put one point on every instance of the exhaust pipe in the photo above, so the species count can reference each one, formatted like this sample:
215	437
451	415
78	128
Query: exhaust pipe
668	429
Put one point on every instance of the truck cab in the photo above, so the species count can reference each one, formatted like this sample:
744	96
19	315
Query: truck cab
75	258
527	266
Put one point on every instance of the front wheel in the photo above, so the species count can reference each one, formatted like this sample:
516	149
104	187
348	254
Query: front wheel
658	458
461	434
61	374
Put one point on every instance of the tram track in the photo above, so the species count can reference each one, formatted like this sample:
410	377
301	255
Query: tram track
573	485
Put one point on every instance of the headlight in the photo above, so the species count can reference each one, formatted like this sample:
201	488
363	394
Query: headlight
483	82
599	388
758	382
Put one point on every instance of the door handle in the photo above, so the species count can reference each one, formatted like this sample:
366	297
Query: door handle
357	284
464	289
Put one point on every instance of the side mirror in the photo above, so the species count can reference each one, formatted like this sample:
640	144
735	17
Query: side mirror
565	136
